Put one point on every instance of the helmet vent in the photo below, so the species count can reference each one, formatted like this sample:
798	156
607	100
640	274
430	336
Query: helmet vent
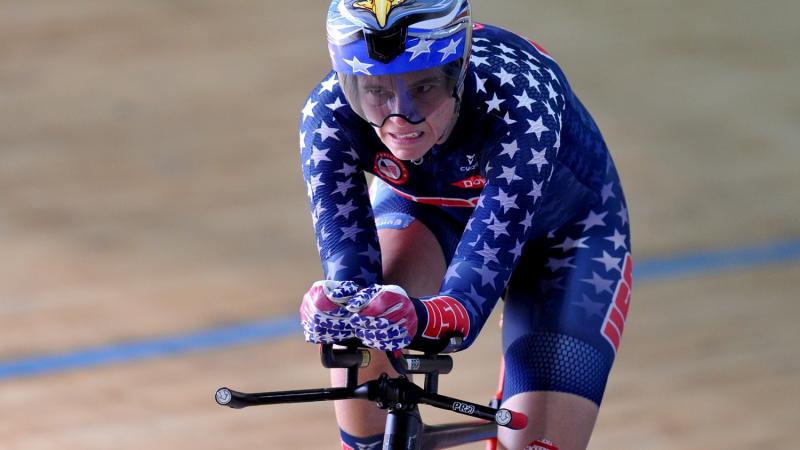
385	46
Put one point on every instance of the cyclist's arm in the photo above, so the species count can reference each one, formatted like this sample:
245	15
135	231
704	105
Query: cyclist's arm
518	171
337	194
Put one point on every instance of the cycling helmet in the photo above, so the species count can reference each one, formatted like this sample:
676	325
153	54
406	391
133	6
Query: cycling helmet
399	57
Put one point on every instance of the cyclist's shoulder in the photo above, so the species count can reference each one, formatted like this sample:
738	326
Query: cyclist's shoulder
325	104
499	53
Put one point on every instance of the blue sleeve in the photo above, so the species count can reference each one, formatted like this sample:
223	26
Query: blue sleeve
338	197
529	98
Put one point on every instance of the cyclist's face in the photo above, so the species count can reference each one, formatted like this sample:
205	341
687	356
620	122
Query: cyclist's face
414	110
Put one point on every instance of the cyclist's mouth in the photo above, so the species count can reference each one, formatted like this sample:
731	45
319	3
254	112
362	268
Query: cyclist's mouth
407	138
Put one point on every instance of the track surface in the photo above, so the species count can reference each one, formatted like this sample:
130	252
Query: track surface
149	187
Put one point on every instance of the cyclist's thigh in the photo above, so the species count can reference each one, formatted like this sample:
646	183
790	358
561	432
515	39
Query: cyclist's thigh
567	301
416	241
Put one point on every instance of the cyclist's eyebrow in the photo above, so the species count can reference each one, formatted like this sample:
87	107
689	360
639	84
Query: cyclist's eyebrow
430	79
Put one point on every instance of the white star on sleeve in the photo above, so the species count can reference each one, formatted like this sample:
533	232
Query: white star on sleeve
618	239
532	82
452	272
318	155
480	84
509	174
487	276
509	149
523	101
308	110
507	59
371	253
478	48
323	234
528	222
423	46
315	182
507	119
504	49
494	103
351	232
505	77
347	169
328	84
335	266
569	244
478	60
352	153
532	66
529	56
555	264
505	201
345	209
607	192
550	111
600	284
498	228
593	220
343	186
517	250
303	139
552	74
488	253
609	261
538	159
326	132
537	127
623	214
551	92
536	189
337	103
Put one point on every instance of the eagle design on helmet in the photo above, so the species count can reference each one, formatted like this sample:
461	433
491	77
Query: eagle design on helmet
380	8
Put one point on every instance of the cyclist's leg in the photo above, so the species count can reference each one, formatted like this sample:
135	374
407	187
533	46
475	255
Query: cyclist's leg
563	319
412	257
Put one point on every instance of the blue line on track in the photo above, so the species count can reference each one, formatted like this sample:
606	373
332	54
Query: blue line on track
268	330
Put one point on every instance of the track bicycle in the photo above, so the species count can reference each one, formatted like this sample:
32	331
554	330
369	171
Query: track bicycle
399	396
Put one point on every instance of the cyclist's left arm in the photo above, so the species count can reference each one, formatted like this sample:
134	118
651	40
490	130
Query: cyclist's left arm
518	173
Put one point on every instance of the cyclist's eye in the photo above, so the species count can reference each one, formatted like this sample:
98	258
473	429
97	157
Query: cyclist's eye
423	88
377	95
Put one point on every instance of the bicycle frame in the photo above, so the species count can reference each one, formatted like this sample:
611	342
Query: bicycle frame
404	427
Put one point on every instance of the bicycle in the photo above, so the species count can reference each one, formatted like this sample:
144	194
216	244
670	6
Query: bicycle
404	427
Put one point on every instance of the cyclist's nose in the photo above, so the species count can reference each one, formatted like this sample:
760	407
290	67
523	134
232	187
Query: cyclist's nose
403	105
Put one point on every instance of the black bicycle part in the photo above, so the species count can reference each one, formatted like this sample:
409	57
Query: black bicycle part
398	395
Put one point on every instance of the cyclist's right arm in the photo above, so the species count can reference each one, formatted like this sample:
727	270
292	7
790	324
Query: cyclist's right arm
337	190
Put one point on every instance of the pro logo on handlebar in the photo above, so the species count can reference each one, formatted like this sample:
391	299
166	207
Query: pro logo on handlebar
464	408
445	315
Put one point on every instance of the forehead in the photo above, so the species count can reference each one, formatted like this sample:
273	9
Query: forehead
402	78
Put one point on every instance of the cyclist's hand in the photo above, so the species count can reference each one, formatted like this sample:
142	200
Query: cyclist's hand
322	312
384	317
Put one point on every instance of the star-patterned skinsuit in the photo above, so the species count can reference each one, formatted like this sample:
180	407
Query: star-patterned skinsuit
523	198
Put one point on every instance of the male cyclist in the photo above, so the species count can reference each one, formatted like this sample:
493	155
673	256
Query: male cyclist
492	180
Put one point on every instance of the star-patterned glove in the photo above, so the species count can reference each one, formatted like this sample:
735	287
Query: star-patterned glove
384	317
322	312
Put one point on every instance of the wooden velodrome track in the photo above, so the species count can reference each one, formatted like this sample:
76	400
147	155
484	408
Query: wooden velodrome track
150	187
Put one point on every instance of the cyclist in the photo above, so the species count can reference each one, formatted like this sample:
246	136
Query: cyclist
492	180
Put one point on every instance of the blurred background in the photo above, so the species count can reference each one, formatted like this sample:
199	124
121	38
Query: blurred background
155	237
